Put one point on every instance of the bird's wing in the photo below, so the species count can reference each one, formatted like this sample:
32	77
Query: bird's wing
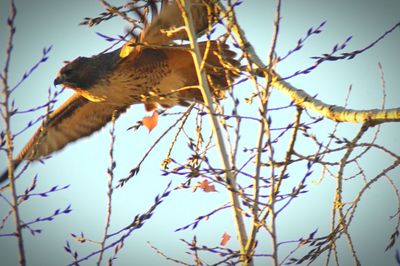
75	119
168	25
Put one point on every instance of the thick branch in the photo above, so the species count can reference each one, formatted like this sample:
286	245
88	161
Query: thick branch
208	102
334	112
302	99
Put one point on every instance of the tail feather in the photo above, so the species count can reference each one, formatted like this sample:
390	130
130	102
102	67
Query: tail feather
219	65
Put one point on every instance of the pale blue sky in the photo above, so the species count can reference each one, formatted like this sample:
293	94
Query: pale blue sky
84	163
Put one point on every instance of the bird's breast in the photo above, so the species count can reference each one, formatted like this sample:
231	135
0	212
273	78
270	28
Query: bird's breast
142	85
118	88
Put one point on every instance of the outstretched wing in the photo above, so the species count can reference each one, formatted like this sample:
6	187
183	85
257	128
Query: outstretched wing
168	25
75	119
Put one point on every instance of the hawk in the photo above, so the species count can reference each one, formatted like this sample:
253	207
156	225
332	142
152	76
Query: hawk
109	83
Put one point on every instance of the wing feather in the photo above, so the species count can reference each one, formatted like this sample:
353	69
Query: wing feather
75	119
168	25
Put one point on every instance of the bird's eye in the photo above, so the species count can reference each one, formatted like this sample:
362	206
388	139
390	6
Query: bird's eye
67	72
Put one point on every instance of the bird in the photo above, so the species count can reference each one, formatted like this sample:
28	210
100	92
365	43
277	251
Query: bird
150	69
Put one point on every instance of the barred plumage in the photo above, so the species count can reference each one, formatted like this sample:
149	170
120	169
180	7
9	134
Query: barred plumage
111	82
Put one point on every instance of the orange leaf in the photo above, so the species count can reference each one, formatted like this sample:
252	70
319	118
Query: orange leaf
150	122
225	239
206	187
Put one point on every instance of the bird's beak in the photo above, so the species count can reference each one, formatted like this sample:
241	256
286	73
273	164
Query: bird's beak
58	80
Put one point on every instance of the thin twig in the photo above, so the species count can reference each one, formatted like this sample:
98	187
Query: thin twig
158	251
9	139
110	173
135	170
264	131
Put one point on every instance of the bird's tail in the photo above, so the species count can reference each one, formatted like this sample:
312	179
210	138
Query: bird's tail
221	68
220	65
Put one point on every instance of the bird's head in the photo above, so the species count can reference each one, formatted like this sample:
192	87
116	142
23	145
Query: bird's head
77	74
84	72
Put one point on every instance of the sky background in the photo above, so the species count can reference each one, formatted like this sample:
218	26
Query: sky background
83	164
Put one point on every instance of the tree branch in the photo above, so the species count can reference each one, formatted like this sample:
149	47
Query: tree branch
334	112
208	102
9	137
303	99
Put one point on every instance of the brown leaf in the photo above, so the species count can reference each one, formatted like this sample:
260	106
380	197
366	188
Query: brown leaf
150	122
225	238
206	187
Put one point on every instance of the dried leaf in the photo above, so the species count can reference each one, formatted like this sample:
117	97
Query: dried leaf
205	186
225	238
150	122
